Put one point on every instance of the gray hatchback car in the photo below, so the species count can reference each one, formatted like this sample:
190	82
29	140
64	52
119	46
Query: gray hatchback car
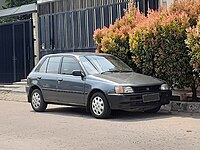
99	82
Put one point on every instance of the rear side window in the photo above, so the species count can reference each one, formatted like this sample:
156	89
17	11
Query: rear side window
43	67
69	64
53	65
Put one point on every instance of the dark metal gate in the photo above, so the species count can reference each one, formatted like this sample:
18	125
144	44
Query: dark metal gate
73	30
16	51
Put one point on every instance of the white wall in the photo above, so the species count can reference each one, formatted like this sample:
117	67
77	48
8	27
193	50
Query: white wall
166	3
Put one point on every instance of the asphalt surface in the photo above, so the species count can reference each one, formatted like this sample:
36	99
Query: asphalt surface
70	128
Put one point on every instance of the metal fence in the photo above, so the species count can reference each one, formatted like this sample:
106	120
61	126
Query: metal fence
73	30
70	5
16	50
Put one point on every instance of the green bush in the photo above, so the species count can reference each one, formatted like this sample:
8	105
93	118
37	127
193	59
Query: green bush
190	7
158	47
193	43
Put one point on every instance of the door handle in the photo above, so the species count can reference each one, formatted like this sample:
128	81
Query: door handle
38	78
60	79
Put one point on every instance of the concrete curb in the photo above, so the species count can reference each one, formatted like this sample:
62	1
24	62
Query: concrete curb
14	88
189	107
13	91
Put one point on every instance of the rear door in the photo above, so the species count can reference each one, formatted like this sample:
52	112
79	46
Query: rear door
48	78
71	88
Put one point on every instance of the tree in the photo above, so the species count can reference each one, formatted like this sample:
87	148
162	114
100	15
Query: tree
16	3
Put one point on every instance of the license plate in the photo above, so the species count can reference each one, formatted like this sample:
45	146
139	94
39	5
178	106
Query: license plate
151	97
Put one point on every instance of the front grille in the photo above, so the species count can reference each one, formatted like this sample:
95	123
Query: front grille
142	89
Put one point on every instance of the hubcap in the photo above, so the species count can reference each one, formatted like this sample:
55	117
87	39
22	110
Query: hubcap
97	105
36	100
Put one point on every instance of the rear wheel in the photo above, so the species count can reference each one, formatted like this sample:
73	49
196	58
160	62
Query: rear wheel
154	110
37	102
99	106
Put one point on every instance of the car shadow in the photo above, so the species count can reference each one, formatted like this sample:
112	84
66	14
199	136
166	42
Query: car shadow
69	111
116	115
129	116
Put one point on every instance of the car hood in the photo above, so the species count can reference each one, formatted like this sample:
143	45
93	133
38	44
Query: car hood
130	78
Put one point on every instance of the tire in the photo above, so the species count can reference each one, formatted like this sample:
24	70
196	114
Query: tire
37	101
154	110
99	107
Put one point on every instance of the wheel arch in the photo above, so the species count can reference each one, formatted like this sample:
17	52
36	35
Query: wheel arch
31	90
90	95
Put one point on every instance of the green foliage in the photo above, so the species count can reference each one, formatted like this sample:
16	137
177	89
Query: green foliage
190	7
193	43
115	39
16	3
4	20
158	47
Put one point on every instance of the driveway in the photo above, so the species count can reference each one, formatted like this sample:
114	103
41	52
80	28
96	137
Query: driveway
71	128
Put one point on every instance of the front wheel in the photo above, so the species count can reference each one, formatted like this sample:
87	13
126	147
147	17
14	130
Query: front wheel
37	102
99	106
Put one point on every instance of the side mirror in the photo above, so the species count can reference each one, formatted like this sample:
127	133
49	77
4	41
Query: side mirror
78	73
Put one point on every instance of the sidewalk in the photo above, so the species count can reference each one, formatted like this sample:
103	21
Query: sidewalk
17	87
13	92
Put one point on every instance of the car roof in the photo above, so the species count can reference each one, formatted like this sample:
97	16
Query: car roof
77	54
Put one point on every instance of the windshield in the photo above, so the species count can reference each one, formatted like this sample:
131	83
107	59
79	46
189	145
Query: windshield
105	63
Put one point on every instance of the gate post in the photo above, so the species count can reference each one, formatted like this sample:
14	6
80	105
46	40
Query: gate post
36	37
14	55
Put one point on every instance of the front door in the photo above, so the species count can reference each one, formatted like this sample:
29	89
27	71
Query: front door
71	88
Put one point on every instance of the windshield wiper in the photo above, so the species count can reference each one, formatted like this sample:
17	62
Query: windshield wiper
116	71
126	71
110	71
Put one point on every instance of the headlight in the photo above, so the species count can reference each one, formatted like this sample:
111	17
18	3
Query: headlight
123	90
164	87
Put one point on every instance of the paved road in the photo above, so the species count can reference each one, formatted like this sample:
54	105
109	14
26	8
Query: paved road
68	128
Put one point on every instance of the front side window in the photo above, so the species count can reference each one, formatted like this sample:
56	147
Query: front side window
53	65
69	64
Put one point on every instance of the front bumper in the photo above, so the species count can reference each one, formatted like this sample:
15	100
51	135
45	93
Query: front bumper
135	101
